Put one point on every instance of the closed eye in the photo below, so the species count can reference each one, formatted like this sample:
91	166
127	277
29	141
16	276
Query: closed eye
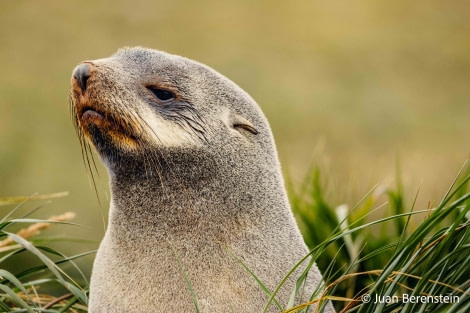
162	95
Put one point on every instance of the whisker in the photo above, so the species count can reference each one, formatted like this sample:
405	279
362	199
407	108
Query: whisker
85	149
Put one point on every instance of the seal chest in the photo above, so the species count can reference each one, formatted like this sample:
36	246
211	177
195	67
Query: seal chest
196	189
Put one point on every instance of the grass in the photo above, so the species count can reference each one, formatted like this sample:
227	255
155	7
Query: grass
410	251
407	252
21	286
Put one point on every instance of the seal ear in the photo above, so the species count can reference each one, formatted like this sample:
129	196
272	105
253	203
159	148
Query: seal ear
239	122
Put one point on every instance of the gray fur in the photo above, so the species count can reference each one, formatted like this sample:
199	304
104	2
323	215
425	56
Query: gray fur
210	184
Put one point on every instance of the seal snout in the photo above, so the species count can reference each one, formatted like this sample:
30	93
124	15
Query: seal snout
81	74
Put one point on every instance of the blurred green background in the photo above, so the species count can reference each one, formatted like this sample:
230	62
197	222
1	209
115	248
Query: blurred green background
351	87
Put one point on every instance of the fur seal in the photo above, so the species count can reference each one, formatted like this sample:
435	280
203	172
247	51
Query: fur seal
196	189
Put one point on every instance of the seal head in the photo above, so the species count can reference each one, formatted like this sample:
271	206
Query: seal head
156	107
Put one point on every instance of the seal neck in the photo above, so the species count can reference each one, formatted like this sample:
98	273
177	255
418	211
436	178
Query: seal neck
193	200
190	192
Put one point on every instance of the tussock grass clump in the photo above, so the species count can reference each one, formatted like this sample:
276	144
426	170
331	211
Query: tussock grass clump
20	288
385	265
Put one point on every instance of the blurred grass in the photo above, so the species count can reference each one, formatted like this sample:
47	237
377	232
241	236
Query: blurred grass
350	85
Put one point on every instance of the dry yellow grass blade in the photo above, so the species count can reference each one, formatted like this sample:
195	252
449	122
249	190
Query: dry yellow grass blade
36	228
13	200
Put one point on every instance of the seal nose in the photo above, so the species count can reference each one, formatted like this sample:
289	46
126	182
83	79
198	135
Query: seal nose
81	74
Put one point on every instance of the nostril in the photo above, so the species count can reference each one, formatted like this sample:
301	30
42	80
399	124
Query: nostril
81	74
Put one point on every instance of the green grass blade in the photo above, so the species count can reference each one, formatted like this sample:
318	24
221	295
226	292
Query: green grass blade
7	275
48	262
186	278
263	287
16	299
